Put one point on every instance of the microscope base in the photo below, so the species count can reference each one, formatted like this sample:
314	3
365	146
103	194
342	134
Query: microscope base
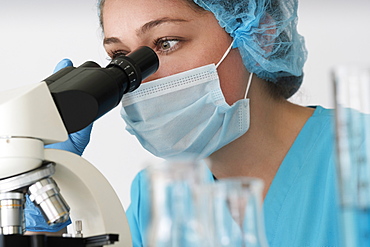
53	241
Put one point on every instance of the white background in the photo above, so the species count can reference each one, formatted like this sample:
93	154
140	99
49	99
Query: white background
37	34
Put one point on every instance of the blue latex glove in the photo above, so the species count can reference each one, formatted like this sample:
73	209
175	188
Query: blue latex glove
76	143
35	221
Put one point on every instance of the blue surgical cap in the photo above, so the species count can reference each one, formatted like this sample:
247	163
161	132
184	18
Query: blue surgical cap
265	32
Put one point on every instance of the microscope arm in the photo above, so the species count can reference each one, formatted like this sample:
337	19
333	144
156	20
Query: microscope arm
90	196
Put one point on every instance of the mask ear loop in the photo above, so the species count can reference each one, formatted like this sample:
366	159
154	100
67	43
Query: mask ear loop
249	85
226	53
250	75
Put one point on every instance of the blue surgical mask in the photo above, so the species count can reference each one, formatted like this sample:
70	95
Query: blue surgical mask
184	114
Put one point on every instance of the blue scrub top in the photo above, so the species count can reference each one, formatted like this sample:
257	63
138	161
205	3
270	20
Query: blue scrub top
301	207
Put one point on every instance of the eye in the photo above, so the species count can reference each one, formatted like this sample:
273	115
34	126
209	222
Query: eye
113	54
166	45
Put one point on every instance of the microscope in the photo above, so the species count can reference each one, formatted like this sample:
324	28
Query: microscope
61	184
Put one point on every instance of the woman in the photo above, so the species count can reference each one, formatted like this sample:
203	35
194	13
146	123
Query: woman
252	57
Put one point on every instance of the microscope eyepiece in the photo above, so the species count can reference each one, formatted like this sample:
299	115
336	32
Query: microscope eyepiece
85	93
137	65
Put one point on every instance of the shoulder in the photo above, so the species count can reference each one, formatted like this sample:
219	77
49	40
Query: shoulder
140	181
319	127
138	213
321	111
140	190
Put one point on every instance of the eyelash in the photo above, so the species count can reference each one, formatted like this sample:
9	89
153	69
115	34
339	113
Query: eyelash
113	54
157	46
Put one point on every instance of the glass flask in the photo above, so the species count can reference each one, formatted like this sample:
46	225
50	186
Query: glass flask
232	210
174	214
352	102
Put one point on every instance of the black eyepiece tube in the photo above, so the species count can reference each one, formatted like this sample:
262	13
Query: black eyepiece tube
146	59
86	93
137	66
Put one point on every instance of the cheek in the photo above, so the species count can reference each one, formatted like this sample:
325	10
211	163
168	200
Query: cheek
232	73
169	65
233	77
165	69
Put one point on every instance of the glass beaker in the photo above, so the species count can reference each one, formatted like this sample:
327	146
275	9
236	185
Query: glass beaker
174	214
232	210
352	102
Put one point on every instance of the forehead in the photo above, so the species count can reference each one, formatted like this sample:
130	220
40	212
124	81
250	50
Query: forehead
131	14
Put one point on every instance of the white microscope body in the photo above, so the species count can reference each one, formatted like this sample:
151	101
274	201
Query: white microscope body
30	120
44	113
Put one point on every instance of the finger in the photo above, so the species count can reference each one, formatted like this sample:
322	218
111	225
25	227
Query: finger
62	64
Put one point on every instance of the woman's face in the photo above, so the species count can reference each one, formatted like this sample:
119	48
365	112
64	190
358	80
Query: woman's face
182	37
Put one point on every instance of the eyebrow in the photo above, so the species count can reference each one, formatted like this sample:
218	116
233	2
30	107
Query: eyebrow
111	40
145	28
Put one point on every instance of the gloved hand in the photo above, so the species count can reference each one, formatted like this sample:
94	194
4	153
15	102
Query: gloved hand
76	142
35	221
